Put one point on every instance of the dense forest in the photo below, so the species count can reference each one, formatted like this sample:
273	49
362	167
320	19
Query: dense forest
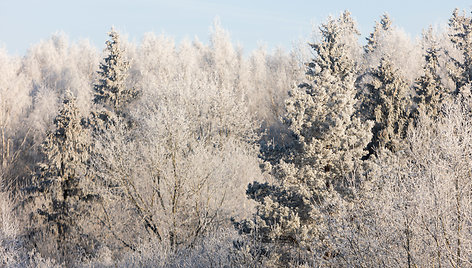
338	153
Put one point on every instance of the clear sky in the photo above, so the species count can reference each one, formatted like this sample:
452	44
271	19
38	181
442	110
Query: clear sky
250	22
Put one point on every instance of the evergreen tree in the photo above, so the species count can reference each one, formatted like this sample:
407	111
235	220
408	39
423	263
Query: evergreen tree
379	30
460	32
111	90
111	93
429	89
111	96
110	123
389	105
315	174
383	90
373	52
57	199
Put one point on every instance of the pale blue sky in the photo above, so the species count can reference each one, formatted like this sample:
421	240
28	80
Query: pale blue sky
250	22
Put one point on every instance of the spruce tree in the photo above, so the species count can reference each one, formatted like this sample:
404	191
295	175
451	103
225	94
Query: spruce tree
110	122
111	94
380	29
373	52
460	33
57	201
383	92
429	88
317	173
111	90
389	106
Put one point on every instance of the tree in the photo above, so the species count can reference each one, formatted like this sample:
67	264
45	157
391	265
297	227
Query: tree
417	212
380	30
388	106
57	201
430	91
14	132
110	117
314	176
166	180
175	177
222	58
111	91
387	40
460	33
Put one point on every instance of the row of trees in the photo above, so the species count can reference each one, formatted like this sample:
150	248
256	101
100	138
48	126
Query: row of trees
146	151
364	162
364	182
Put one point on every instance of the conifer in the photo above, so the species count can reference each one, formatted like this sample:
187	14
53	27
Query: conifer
318	172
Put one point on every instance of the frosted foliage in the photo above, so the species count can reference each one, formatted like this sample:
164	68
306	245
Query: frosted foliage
180	172
223	57
331	57
364	164
431	91
47	101
460	34
418	211
55	65
8	232
388	104
14	96
12	246
320	112
158	57
176	172
258	71
111	90
66	147
387	40
380	30
314	176
268	80
56	202
189	60
14	105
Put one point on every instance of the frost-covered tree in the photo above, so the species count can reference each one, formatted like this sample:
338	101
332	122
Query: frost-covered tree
312	178
418	210
222	58
56	200
390	41
14	131
380	29
268	78
388	105
171	176
111	90
430	90
166	179
390	64
460	32
54	65
110	117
